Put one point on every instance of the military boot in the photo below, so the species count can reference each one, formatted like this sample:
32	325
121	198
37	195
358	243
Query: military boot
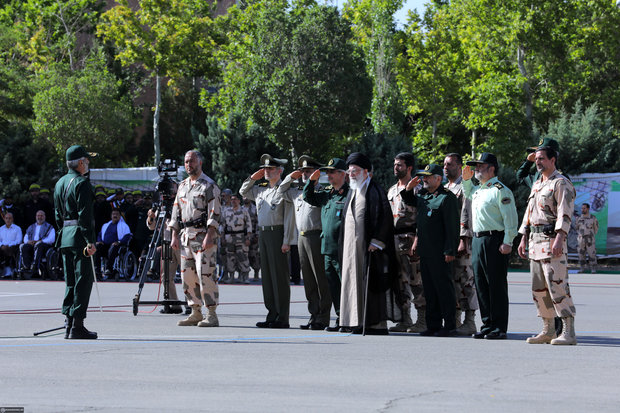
458	316
211	319
582	266
546	335
79	332
194	318
468	327
420	323
244	278
403	326
568	336
68	326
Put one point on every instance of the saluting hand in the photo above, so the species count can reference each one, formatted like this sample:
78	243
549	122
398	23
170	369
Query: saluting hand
415	181
315	175
468	173
295	174
531	157
258	175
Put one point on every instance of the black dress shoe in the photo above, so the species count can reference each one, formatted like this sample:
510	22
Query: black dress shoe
357	330
377	332
332	329
81	333
263	324
496	335
345	329
306	326
317	326
428	332
445	332
479	334
279	324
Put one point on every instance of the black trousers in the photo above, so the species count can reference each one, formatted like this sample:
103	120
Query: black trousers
32	255
438	283
491	277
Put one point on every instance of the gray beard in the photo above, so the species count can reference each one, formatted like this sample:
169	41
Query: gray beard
353	184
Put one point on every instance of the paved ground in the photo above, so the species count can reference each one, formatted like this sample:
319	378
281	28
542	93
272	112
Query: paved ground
146	363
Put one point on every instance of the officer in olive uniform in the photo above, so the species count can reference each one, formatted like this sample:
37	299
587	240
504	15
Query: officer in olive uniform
308	221
494	218
438	240
276	229
74	199
332	200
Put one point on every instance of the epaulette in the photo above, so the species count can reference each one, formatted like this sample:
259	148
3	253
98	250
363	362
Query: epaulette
498	185
263	184
329	187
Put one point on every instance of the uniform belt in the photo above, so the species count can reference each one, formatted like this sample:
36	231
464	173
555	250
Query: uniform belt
537	228
487	233
547	229
189	224
243	231
270	227
309	232
70	223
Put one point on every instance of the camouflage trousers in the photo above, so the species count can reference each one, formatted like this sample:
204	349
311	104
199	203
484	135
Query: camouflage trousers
410	279
197	273
587	251
237	258
254	256
550	287
464	285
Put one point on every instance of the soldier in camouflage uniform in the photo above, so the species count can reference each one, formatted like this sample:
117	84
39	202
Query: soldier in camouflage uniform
253	253
545	227
196	214
405	217
222	270
587	227
237	230
465	288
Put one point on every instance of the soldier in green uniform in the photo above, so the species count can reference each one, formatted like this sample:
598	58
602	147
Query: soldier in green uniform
332	200
276	226
438	240
74	199
494	219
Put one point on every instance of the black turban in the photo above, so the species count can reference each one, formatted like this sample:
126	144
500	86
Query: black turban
359	159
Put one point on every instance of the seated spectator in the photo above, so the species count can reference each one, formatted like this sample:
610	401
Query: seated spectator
113	235
10	238
39	237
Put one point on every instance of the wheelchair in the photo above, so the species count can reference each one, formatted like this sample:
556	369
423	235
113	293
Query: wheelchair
125	265
51	265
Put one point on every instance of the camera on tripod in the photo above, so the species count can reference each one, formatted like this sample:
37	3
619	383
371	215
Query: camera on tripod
167	186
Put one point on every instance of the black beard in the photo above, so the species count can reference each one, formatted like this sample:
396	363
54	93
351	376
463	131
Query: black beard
399	174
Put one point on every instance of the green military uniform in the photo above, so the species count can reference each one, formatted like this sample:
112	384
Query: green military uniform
332	203
494	216
74	199
438	237
276	226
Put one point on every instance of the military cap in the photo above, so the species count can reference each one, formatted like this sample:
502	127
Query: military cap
546	143
111	191
485	157
45	191
34	186
100	193
431	169
227	191
335	164
359	159
307	162
267	160
137	192
76	152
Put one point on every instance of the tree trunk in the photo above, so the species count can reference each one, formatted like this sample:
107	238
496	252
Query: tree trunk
156	146
527	91
473	144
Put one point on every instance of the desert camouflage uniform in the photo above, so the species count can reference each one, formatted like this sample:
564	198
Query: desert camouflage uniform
192	201
236	229
464	284
253	253
587	227
550	204
405	218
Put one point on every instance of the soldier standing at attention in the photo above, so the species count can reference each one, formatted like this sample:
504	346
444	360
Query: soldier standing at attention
253	253
587	227
237	230
276	226
195	217
332	200
494	218
545	228
405	218
74	199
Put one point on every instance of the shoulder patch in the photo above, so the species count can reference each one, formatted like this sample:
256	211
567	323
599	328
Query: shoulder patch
498	185
506	201
329	187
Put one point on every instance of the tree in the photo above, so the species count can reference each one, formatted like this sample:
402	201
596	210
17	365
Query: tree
293	69
83	107
173	38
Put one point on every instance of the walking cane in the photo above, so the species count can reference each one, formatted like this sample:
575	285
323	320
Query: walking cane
366	293
92	263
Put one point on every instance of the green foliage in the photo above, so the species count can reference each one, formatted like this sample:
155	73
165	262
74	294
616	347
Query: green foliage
232	152
293	69
83	107
588	141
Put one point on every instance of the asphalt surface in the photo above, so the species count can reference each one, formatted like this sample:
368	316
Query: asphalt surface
145	363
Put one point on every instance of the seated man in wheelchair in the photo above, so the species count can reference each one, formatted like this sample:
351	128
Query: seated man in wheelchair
39	238
114	235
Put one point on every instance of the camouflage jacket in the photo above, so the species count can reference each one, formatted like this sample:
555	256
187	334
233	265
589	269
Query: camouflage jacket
236	221
587	226
405	216
465	205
